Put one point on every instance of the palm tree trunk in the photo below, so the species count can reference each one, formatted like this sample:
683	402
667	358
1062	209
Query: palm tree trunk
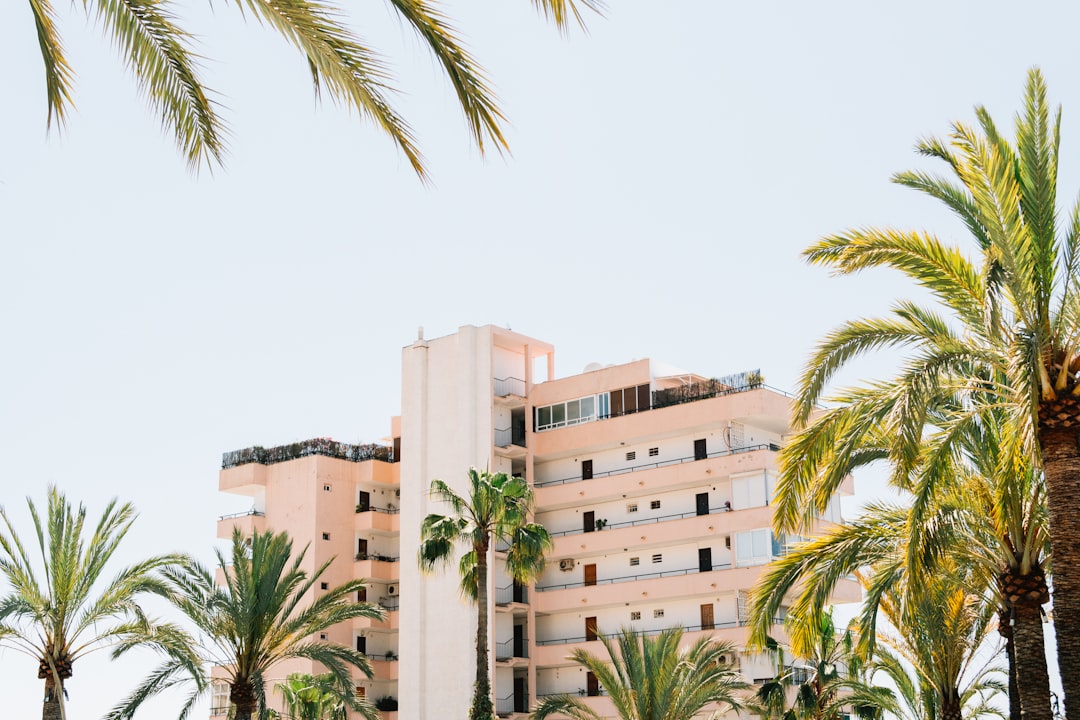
1006	631
242	696
1031	661
482	706
951	707
1061	466
50	709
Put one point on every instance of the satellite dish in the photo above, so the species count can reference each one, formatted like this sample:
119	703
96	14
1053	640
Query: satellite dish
593	367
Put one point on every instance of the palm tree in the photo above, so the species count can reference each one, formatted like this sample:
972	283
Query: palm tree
939	628
66	608
267	611
1012	336
496	509
318	697
829	677
159	53
977	501
651	678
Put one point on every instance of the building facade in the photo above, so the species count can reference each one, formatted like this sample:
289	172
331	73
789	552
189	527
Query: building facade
654	483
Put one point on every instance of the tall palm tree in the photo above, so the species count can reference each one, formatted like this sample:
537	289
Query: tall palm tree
267	611
651	678
829	678
497	509
159	53
1011	333
318	697
976	500
65	607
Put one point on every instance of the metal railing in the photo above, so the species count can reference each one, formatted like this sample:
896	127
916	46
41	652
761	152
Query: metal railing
512	648
505	437
632	578
647	521
511	594
657	631
663	463
376	556
315	446
246	513
507	706
391	510
509	386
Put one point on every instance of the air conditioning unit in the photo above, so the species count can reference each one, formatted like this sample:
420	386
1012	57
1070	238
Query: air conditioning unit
566	564
391	589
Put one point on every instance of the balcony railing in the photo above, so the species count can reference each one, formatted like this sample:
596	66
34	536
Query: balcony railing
376	556
650	466
513	648
632	578
317	446
248	513
389	603
505	387
507	706
648	521
686	628
511	594
505	437
391	510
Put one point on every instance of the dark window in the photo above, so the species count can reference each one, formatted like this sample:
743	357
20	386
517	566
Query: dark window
700	450
586	469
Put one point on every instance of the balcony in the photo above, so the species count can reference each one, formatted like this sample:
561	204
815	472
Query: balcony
511	705
390	620
555	652
376	519
373	566
248	523
664	476
510	390
512	652
384	669
510	442
512	594
660	585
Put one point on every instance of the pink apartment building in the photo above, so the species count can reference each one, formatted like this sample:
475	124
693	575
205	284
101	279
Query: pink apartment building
654	482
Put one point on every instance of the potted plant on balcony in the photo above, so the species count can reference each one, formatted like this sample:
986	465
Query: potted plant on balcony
601	523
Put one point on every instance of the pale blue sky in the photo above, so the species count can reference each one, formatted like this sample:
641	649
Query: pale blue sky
667	169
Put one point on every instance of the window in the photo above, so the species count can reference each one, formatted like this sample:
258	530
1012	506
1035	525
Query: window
324	586
631	507
570	412
654	505
219	701
653	452
658	557
753	490
659	613
322	636
361	691
635	561
327	487
635	614
632	455
326	536
753	547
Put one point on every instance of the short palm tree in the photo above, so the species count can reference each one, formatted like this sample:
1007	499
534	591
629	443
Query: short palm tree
319	697
829	679
267	611
497	508
651	678
159	52
67	607
1006	328
939	627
